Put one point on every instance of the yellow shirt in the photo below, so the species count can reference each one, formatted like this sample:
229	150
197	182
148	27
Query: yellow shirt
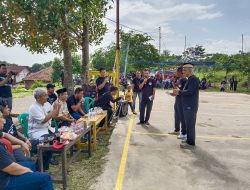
129	96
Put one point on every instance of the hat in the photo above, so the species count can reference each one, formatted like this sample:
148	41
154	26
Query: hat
188	65
62	90
50	85
58	145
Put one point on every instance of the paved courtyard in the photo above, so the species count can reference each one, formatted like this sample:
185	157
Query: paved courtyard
150	159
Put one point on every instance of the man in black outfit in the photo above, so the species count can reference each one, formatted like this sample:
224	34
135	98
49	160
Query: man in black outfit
102	82
190	102
179	82
148	87
105	99
52	97
137	91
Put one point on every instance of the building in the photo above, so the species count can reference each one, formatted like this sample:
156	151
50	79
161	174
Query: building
21	71
43	76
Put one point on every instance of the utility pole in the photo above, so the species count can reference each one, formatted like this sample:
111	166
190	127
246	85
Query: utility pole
242	43
159	40
126	60
117	43
185	43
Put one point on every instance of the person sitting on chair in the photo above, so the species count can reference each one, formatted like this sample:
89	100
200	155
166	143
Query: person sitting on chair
10	128
74	105
105	100
64	118
19	175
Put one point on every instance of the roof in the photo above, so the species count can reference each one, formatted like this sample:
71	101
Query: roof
17	69
43	75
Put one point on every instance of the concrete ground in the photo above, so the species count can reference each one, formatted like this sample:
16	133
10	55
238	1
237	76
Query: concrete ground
149	159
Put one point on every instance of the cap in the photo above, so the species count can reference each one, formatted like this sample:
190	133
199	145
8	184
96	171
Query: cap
62	90
50	85
57	145
188	65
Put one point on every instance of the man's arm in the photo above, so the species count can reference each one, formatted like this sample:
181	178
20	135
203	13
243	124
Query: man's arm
143	83
16	169
3	82
101	86
16	141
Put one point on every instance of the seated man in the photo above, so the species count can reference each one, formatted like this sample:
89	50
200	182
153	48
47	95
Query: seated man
10	128
19	175
51	93
64	117
105	99
40	115
74	105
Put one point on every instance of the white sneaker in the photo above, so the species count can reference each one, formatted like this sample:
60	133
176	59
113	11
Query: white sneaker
182	137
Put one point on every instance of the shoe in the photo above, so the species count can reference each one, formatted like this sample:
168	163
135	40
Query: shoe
54	162
147	123
174	133
134	113
186	146
182	137
140	123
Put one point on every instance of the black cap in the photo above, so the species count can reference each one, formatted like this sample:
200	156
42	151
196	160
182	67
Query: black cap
50	85
62	90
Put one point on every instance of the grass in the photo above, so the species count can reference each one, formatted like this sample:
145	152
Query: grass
21	92
84	171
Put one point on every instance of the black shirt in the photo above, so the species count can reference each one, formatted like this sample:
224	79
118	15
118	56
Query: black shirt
52	98
5	90
6	159
190	94
147	89
90	91
105	89
71	102
105	99
9	127
136	82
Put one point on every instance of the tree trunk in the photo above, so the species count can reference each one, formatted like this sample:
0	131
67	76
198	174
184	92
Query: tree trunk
85	56
68	79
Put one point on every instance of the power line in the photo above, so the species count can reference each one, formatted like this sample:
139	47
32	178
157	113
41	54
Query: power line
125	26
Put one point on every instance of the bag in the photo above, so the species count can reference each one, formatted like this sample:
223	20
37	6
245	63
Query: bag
122	109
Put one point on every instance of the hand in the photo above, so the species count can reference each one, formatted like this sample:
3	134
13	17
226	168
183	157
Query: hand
122	97
172	94
176	91
25	148
28	143
145	80
9	75
106	80
153	97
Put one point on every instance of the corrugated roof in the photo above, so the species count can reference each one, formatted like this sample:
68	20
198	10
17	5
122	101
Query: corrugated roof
17	69
43	75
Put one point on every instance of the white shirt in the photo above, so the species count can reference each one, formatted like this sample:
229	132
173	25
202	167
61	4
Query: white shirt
37	114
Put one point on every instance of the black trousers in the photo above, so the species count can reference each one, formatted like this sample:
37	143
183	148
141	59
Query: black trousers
190	121
131	106
145	104
179	117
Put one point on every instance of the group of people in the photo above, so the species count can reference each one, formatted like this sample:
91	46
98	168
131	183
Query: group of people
233	82
186	93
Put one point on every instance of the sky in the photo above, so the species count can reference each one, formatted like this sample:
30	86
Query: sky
215	24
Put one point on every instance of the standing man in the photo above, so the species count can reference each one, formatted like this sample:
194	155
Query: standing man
148	94
6	82
190	102
102	82
51	93
137	91
179	82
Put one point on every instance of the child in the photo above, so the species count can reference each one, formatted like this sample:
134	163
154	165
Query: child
129	98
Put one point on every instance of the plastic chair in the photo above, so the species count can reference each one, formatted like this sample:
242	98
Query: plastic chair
88	103
23	119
